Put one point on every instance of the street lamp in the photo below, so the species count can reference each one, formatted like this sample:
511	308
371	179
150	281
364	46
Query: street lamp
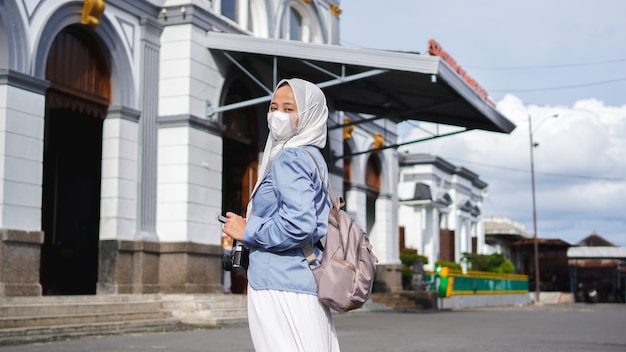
532	177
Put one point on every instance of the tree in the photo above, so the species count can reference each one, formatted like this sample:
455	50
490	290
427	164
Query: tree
409	257
494	263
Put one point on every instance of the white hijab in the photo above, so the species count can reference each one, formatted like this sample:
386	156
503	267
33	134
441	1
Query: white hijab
313	114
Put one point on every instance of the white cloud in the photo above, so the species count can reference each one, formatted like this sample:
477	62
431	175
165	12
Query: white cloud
580	168
569	55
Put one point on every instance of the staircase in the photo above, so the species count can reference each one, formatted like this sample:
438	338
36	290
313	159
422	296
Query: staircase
209	310
29	319
406	301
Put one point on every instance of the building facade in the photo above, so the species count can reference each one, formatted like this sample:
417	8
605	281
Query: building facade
440	208
126	126
501	236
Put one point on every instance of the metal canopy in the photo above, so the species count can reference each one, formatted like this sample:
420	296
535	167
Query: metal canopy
395	85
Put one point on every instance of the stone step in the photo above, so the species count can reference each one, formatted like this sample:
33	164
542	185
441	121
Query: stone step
47	333
212	310
24	300
86	318
405	300
49	317
76	308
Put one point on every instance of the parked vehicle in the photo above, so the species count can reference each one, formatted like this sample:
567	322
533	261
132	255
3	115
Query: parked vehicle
586	294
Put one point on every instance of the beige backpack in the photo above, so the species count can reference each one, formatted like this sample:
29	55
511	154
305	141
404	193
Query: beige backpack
346	271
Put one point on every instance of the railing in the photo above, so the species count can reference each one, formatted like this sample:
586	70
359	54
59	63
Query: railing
481	283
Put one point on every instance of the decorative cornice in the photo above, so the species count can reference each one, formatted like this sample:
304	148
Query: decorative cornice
443	165
365	189
124	113
191	121
23	81
198	16
424	159
137	8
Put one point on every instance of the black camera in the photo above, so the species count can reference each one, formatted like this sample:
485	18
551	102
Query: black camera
237	260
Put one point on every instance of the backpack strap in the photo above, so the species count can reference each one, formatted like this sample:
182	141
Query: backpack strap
337	203
307	249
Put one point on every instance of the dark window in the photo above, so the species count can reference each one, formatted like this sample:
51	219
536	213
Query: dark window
229	9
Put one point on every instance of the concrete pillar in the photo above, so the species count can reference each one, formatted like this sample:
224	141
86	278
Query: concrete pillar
22	111
149	90
118	198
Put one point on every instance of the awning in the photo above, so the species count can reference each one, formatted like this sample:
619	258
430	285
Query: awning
596	253
395	85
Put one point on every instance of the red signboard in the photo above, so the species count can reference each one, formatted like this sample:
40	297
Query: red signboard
435	49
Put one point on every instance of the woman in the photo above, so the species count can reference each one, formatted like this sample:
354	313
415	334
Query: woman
289	208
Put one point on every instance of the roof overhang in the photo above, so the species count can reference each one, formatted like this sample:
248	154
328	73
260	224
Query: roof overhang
545	242
596	253
395	85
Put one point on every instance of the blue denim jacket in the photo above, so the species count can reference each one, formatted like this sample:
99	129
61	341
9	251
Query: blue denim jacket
289	209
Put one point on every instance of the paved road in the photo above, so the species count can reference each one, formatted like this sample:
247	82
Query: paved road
553	328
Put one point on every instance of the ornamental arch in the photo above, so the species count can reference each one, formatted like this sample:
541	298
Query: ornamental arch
4	46
301	22
13	43
118	52
76	105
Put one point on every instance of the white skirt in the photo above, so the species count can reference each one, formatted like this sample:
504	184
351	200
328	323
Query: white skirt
283	321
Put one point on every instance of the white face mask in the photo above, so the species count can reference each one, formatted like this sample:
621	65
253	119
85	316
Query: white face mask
282	125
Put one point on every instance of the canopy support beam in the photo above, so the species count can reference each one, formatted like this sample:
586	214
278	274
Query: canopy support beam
335	158
211	111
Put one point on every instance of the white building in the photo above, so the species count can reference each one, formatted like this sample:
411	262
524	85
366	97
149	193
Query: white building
440	208
126	126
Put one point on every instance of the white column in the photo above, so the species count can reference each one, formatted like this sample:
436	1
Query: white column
147	157
462	235
22	111
382	237
391	170
411	217
190	144
118	209
190	185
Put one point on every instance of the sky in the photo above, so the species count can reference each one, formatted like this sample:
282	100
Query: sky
535	59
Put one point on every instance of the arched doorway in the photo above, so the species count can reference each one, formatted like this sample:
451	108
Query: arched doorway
240	159
76	105
372	182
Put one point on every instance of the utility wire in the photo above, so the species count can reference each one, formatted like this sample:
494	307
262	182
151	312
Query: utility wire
560	87
539	172
545	66
617	111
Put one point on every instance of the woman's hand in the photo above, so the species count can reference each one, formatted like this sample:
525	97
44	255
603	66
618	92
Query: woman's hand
234	226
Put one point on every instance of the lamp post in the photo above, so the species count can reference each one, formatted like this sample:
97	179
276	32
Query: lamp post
532	178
